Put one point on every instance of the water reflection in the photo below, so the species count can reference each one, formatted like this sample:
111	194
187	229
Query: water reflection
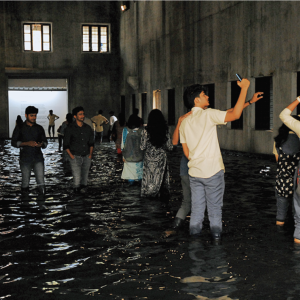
112	244
210	277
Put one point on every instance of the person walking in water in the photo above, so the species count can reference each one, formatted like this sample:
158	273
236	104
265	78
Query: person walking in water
52	118
99	121
30	138
79	144
198	136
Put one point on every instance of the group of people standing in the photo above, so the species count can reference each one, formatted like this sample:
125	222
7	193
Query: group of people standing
144	150
99	120
78	142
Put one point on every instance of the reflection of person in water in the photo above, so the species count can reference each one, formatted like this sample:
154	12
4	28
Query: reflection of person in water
51	117
207	272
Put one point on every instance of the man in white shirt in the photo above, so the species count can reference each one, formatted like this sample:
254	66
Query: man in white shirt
112	120
198	134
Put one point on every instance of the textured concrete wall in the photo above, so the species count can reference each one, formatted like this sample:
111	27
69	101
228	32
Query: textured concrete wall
168	44
93	78
3	79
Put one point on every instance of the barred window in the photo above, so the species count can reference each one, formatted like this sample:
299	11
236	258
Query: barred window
95	38
37	37
264	109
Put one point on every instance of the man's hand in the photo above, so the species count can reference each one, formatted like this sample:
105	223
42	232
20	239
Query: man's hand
70	154
183	117
39	144
257	96
244	84
31	144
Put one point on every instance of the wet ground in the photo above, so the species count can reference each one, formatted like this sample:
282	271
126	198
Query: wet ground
111	244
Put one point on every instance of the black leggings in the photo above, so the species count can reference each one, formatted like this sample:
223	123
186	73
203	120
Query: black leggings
49	129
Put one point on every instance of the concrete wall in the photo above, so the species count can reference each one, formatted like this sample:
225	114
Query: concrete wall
93	78
172	44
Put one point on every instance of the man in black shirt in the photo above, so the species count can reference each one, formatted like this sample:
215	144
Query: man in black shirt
30	138
79	144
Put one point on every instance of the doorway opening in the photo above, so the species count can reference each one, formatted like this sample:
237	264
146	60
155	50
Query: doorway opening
44	94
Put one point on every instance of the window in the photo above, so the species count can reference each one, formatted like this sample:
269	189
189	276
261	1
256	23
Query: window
156	99
133	102
123	104
171	107
144	107
37	37
95	38
264	108
235	93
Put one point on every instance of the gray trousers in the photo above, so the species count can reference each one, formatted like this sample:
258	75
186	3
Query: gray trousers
207	192
282	206
185	208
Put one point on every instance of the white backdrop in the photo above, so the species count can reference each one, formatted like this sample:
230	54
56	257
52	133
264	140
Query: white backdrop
43	100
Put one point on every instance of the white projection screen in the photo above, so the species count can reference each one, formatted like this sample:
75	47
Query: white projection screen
41	93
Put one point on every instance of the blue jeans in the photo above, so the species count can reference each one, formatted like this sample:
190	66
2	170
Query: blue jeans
80	167
282	206
38	170
207	192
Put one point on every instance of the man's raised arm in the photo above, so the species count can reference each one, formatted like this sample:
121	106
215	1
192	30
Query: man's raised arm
235	114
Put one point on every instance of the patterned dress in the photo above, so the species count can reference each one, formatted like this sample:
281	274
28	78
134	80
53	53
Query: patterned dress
155	180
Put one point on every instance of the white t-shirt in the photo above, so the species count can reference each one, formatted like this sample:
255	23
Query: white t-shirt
199	132
112	120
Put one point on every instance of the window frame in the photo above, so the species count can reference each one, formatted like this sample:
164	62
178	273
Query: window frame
42	36
99	25
266	106
171	107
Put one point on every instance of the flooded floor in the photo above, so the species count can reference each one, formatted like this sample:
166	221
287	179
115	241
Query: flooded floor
111	244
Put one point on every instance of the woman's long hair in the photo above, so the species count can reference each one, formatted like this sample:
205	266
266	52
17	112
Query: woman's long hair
283	133
69	118
19	120
157	128
133	122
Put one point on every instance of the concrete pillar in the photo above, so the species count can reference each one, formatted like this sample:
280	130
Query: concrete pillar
3	79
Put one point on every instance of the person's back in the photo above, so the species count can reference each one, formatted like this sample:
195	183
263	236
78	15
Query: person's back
291	145
200	133
130	146
156	141
132	149
99	121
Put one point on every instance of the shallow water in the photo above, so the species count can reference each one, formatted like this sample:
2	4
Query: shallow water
111	244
